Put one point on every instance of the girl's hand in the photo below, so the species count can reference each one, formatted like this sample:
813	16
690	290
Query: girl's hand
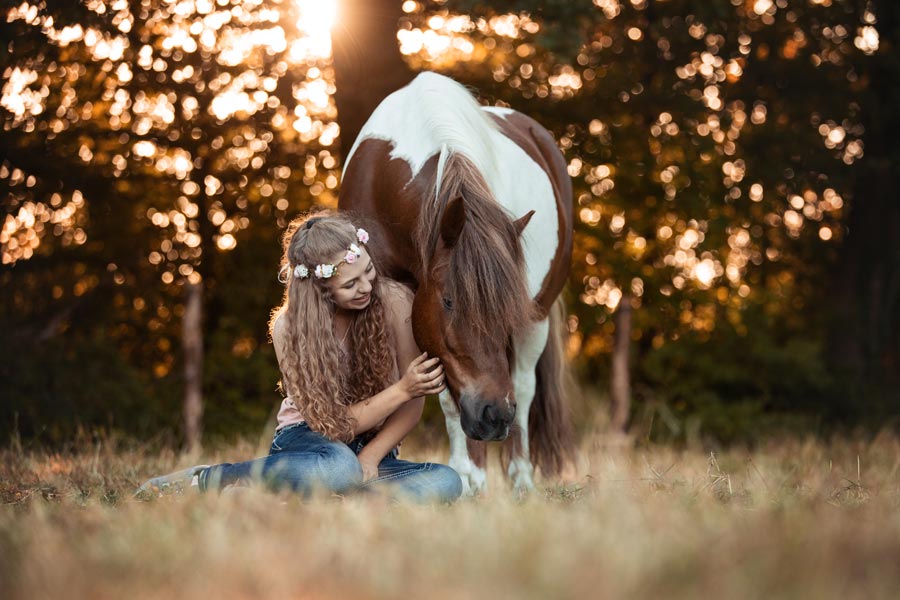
369	467
423	376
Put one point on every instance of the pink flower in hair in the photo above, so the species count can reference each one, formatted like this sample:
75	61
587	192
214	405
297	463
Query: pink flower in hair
350	258
362	235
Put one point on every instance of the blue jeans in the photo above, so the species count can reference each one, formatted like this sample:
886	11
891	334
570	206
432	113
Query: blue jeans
303	461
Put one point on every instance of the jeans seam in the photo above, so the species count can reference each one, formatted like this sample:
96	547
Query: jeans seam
416	469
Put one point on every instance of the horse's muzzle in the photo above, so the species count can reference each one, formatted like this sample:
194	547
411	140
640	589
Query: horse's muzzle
484	420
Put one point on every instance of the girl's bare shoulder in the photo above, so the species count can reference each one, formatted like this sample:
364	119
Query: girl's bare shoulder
397	293
398	299
278	331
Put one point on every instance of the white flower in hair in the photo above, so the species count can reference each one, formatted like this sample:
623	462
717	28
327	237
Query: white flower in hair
362	235
301	272
324	271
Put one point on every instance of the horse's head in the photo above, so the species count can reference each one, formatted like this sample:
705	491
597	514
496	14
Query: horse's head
467	307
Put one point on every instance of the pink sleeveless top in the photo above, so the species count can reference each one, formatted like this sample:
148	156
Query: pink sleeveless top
288	414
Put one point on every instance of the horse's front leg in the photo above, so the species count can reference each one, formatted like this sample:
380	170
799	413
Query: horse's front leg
528	349
520	469
472	475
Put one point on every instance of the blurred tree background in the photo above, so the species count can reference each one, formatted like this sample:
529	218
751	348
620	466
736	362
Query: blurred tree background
736	257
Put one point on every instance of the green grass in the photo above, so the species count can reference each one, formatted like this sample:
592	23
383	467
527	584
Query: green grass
792	519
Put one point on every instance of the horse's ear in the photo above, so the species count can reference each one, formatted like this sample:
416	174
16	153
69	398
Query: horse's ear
522	222
452	221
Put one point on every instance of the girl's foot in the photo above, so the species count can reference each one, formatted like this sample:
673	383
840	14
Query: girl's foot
179	482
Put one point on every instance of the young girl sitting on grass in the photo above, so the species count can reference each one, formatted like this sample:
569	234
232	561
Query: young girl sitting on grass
340	335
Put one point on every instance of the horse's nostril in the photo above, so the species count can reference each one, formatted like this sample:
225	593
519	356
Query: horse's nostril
485	420
488	415
492	416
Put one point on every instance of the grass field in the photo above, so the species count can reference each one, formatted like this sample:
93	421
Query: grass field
791	519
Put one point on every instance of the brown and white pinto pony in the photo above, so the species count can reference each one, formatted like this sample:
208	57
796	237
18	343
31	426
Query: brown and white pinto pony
471	208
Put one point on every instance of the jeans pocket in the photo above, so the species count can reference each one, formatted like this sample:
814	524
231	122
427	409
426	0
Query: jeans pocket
281	435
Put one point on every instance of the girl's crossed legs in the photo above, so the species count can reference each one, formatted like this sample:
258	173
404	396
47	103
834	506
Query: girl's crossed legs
302	460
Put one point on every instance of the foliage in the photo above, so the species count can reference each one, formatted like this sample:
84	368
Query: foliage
86	381
715	148
735	388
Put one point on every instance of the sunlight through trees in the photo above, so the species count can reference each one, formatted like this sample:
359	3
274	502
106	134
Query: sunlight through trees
716	150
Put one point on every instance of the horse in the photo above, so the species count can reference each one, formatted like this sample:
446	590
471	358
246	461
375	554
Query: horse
470	207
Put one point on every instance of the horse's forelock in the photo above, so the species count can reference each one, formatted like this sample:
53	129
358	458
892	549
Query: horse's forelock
486	269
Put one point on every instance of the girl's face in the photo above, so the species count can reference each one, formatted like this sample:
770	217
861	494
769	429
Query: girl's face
351	286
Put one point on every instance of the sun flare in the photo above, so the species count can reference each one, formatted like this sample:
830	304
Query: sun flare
317	16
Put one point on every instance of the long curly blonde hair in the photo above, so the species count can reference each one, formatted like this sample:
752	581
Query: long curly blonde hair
321	383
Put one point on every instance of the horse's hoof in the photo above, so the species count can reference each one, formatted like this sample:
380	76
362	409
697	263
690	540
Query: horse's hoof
519	472
474	481
522	487
477	482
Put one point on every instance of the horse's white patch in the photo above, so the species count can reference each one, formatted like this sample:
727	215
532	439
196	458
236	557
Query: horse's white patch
520	190
473	477
500	111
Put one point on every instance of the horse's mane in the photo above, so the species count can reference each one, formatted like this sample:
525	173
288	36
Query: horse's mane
486	278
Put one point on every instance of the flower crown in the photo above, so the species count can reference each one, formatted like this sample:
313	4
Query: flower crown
326	271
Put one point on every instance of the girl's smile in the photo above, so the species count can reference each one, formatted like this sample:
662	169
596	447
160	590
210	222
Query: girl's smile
351	287
363	300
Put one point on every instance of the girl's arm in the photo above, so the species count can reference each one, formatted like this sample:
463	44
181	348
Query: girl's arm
420	375
405	418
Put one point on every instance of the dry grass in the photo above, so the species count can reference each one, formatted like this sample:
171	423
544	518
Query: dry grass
792	519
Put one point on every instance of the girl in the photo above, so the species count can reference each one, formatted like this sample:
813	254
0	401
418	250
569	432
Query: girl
339	335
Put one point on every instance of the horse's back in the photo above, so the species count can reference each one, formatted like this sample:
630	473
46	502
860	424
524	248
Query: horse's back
421	117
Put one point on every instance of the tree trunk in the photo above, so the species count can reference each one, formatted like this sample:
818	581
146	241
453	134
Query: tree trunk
620	381
192	333
367	61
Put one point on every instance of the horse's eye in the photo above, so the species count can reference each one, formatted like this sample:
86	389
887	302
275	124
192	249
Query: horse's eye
447	302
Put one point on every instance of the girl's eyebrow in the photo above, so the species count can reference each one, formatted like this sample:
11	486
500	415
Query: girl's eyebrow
349	281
